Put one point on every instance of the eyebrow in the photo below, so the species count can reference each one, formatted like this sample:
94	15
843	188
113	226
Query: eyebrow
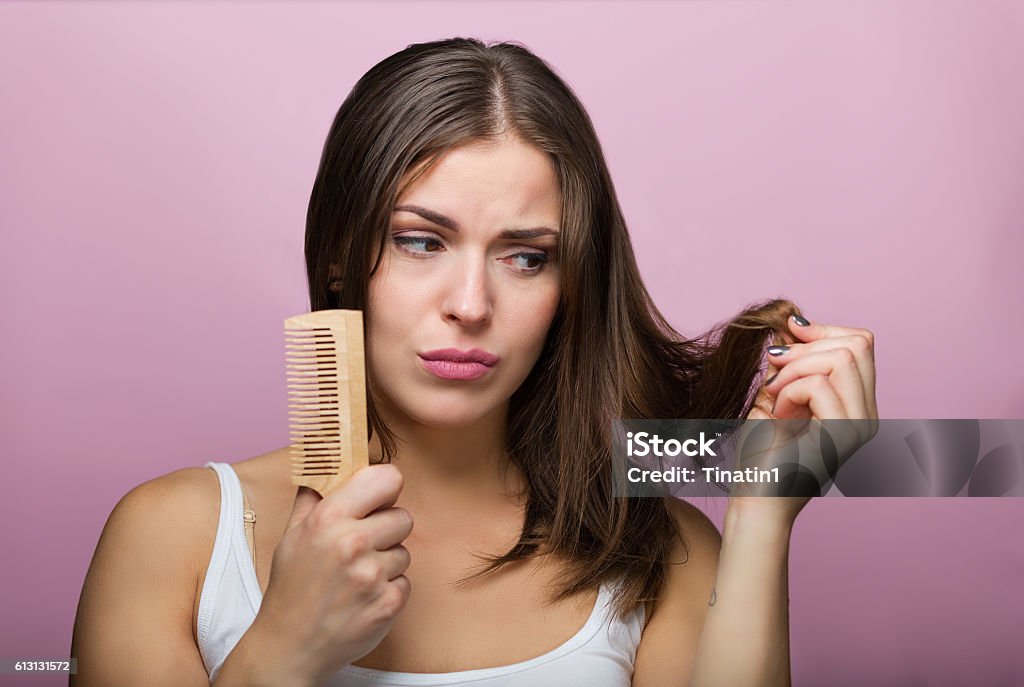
448	223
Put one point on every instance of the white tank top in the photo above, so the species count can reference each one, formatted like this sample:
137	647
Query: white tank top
600	654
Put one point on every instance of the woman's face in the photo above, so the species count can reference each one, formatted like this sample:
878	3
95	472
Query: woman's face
470	267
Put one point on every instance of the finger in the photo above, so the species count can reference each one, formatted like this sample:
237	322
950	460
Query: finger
394	561
388	527
816	394
306	500
761	408
813	393
404	586
860	341
840	368
813	331
860	344
372	487
763	401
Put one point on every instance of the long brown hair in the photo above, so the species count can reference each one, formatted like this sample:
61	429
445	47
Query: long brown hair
608	354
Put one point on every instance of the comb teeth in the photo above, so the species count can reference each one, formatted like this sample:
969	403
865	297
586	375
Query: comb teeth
326	397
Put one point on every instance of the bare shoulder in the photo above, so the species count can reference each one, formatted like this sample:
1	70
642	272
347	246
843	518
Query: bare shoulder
180	506
189	483
669	641
166	524
133	624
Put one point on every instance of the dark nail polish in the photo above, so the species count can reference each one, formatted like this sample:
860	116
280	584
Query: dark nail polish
777	350
771	379
800	320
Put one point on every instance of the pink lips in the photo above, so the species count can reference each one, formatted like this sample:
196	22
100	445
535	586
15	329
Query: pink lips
451	363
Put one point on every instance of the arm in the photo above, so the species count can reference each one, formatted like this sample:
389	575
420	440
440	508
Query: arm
337	585
134	624
827	372
134	620
723	615
744	630
745	640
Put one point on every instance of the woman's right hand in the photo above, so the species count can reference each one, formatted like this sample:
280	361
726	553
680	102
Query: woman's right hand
336	581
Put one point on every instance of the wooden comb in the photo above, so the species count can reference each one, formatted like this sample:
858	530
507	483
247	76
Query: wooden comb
326	397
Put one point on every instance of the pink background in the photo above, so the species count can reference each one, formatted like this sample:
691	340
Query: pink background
861	158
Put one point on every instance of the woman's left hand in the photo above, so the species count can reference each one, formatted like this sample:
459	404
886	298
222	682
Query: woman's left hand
829	374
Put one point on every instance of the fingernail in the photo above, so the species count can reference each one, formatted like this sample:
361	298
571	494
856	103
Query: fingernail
777	350
800	320
771	379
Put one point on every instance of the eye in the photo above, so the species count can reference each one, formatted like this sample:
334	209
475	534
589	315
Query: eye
417	244
531	262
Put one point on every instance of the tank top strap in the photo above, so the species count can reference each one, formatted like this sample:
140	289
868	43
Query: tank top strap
230	559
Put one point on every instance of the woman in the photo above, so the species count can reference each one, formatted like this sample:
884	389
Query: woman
463	203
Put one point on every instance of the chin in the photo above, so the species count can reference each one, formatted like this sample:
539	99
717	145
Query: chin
450	416
443	405
447	413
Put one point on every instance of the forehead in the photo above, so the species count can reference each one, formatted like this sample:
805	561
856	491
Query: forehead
507	176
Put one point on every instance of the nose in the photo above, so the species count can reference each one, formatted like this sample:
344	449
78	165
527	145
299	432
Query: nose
468	297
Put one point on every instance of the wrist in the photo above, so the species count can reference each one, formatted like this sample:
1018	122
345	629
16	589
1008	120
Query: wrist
769	516
259	660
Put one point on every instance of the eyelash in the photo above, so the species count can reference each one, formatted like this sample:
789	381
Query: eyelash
403	241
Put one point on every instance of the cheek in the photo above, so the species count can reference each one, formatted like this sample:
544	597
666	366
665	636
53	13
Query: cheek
548	309
380	320
548	301
388	298
533	319
394	312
